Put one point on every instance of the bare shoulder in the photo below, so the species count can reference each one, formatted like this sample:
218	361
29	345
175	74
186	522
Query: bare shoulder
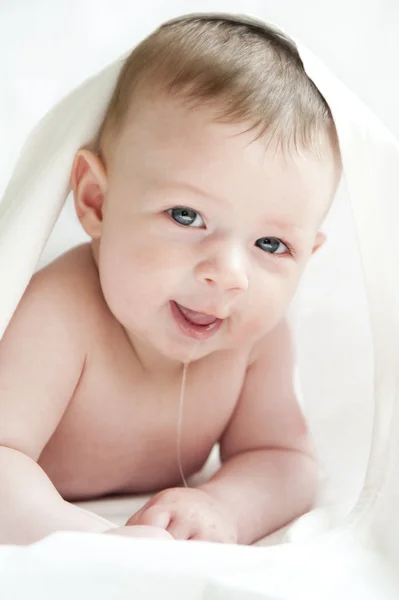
73	275
276	343
69	286
43	350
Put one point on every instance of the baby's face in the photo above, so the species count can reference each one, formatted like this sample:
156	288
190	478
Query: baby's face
199	217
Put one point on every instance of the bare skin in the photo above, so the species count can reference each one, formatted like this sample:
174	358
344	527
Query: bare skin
91	363
117	432
114	380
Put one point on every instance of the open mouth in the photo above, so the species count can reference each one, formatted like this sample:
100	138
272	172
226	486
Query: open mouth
195	324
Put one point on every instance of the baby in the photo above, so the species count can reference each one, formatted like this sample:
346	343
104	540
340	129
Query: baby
215	165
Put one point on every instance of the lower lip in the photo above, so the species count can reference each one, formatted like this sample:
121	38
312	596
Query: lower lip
198	332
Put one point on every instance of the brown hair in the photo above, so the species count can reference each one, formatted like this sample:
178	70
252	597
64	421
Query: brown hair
246	69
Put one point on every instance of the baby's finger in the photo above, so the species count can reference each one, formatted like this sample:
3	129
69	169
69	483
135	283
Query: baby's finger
197	538
180	529
135	519
155	516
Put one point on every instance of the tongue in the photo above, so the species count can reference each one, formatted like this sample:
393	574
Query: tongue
196	318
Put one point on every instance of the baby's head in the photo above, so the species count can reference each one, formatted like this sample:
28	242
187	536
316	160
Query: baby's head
216	163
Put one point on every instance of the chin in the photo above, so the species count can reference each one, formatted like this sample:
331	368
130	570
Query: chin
187	352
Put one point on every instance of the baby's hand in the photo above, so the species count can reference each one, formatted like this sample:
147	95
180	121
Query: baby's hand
188	514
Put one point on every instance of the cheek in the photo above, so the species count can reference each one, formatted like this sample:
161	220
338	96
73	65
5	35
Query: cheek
138	273
268	303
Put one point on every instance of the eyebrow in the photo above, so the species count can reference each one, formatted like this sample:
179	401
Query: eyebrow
282	225
194	189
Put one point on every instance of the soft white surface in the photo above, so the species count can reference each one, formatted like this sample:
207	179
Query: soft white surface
85	566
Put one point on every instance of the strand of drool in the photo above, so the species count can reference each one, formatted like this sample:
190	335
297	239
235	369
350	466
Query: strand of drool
180	413
180	422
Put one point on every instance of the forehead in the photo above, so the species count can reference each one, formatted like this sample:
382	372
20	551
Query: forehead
166	141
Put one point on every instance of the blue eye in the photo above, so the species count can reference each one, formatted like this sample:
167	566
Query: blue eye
186	216
272	245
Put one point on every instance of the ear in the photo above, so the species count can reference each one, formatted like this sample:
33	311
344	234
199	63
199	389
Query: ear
89	185
319	241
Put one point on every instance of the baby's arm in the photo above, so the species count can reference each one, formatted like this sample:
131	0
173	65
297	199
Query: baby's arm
269	474
42	356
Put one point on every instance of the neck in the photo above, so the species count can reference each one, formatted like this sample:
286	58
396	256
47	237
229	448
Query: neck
152	361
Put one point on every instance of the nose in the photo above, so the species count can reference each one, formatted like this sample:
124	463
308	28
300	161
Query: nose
224	268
